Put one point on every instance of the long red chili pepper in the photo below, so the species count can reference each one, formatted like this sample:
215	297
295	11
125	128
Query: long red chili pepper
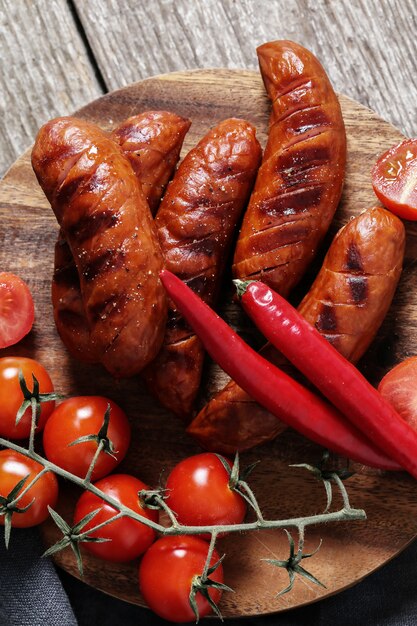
272	388
330	372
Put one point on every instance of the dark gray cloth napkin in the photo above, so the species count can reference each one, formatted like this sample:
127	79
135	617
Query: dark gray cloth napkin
32	594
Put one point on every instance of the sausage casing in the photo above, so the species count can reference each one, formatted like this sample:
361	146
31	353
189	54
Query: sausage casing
195	225
152	142
301	176
346	303
107	223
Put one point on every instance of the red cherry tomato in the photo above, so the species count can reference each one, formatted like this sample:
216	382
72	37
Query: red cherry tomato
199	492
13	467
11	396
17	312
399	387
129	538
78	417
166	573
394	179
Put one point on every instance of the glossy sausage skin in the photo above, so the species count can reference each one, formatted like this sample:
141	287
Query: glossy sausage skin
347	303
300	181
152	142
195	225
106	221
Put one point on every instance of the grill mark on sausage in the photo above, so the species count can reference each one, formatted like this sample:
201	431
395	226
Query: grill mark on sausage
107	308
93	224
67	275
110	259
358	286
294	202
294	85
326	320
353	259
307	119
68	188
305	157
206	246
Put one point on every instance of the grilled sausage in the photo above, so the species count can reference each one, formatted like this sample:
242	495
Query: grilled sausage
152	142
301	177
347	303
195	224
105	218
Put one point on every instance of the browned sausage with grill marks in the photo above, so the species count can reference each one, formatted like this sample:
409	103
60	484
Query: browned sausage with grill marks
347	303
152	142
301	177
107	223
195	225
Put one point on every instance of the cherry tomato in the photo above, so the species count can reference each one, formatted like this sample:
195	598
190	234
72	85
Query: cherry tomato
78	417
399	387
11	396
129	538
167	571
394	179
17	312
199	492
13	467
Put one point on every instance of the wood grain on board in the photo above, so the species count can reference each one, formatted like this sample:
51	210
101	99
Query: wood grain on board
45	70
349	551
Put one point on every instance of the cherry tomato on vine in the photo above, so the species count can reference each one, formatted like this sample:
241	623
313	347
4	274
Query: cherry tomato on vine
11	396
13	467
79	417
199	492
167	571
394	179
17	311
129	538
399	387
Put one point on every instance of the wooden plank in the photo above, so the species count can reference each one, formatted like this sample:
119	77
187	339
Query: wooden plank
45	70
367	47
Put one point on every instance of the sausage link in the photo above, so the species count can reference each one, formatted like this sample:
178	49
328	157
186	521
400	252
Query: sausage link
195	225
346	303
300	181
105	218
152	142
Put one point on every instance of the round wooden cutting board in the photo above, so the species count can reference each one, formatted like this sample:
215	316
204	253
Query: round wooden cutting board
349	551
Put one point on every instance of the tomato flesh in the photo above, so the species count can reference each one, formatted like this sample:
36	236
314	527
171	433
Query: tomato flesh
394	179
399	387
199	493
167	571
128	537
78	417
15	466
17	312
11	396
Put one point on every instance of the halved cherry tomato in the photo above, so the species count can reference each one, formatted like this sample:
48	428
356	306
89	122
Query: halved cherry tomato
128	538
13	467
17	311
78	417
199	493
394	179
399	387
167	571
11	396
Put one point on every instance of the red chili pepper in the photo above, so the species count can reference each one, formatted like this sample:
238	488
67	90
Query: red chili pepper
272	388
330	372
